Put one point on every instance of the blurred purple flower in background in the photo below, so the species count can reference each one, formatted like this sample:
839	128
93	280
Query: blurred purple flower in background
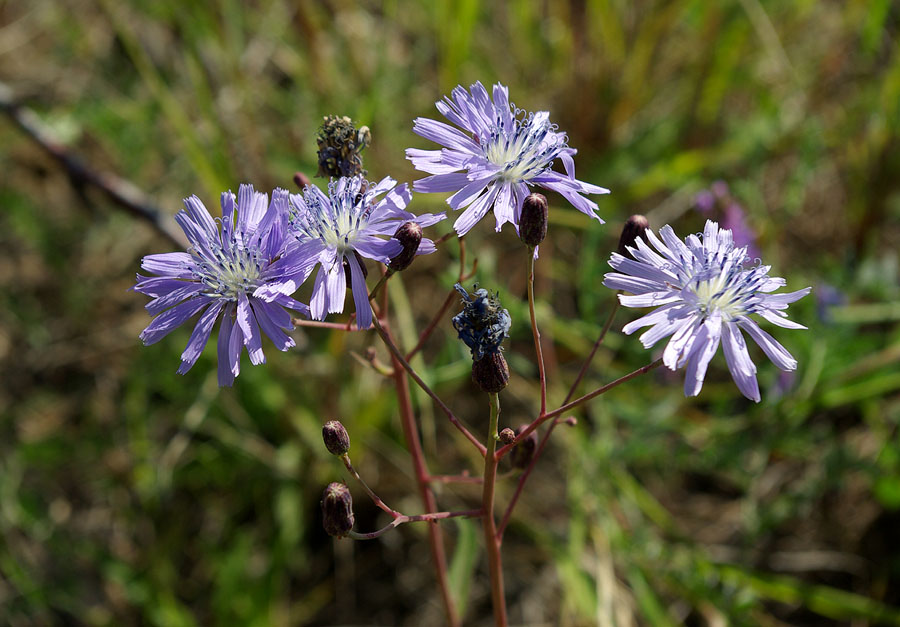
339	228
828	296
219	275
502	152
732	215
703	295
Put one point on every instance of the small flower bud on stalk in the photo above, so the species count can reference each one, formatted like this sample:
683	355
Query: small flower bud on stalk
506	436
634	228
571	421
410	236
336	438
533	222
522	452
491	373
301	180
337	510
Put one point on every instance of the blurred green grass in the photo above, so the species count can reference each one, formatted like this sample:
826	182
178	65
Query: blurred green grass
129	494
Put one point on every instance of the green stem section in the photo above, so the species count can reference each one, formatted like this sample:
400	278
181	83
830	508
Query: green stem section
491	541
537	336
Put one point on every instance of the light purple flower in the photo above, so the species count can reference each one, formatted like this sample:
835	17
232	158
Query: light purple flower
500	152
218	275
703	294
331	228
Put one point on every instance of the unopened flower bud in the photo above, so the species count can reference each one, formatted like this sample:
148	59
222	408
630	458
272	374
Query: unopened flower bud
491	372
571	421
347	273
410	236
337	441
522	452
337	510
533	221
301	180
634	228
507	435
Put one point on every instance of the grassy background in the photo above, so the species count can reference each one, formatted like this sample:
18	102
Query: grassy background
131	495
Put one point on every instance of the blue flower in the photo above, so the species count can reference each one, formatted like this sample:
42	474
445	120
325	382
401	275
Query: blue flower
500	152
482	324
704	294
219	275
337	229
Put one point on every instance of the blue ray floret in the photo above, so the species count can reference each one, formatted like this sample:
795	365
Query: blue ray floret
704	293
227	262
482	324
495	155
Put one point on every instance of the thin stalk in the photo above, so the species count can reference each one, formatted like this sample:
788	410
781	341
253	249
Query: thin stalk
492	543
578	401
469	513
375	498
399	360
546	437
435	534
536	335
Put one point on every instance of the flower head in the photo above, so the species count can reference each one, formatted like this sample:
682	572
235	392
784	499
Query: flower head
219	275
703	294
340	228
500	152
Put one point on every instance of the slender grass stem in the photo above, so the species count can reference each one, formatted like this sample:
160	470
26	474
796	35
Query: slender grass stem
536	335
469	513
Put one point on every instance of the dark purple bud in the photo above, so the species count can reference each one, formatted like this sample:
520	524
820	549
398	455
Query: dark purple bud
301	180
507	435
491	372
410	236
533	221
337	441
347	273
523	452
337	510
634	228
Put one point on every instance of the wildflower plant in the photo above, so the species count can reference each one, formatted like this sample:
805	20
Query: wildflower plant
246	269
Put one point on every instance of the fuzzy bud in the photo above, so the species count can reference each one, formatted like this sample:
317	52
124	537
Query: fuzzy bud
340	143
507	436
634	228
491	373
533	222
410	236
521	454
337	510
337	441
571	421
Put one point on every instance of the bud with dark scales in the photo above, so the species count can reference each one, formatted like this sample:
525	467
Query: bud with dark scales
533	221
522	452
409	235
337	441
491	373
337	510
507	436
340	143
634	228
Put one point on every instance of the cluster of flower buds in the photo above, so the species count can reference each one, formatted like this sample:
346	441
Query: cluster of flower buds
483	325
340	143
